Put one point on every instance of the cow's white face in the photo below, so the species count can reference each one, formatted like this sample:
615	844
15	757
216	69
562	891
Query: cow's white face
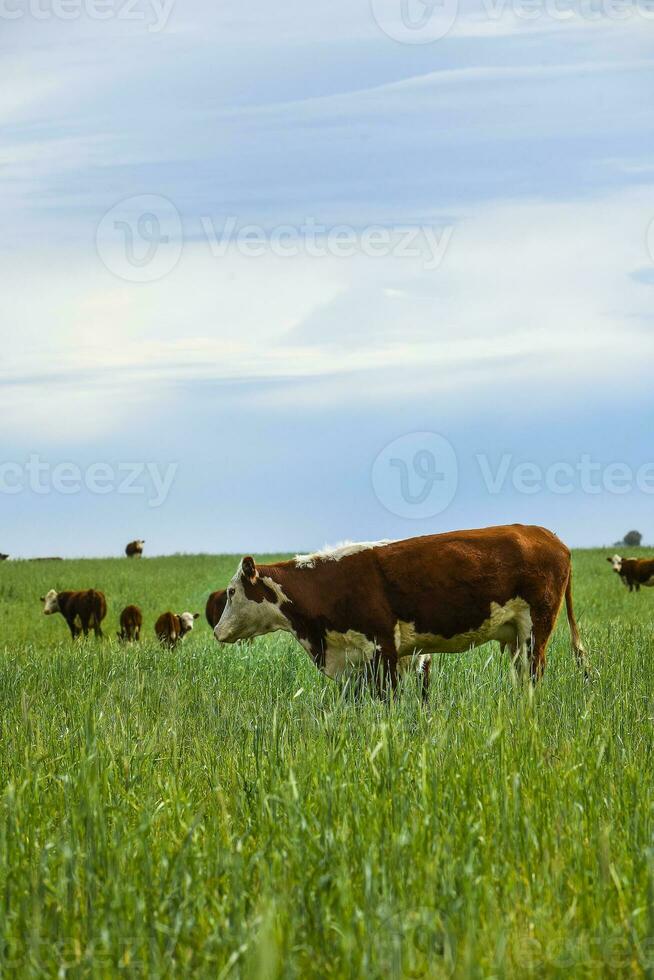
616	563
252	607
50	603
186	621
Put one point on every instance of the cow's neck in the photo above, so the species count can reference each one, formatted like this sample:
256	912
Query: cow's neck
62	602
296	586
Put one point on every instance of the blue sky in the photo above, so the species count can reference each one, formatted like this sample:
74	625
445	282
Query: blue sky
506	166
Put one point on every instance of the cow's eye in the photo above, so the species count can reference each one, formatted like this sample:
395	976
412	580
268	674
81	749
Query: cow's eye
231	593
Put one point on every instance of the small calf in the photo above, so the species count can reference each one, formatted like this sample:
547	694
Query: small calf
634	572
81	610
131	621
170	627
134	549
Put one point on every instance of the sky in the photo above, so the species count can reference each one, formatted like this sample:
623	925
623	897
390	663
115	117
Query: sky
279	276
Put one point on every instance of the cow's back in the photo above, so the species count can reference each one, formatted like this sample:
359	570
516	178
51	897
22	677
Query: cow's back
510	553
131	617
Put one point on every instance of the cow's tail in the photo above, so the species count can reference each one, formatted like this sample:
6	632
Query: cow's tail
577	645
97	610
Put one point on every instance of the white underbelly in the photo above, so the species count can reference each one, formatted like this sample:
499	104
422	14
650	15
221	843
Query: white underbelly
347	653
649	583
506	623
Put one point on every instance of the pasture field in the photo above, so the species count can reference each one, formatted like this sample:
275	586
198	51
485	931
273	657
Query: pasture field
226	812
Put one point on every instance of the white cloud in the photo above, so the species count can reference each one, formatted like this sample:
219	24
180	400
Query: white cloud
525	290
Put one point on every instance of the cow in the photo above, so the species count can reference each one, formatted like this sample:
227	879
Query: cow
134	549
384	607
131	621
81	610
170	627
634	572
4	557
215	606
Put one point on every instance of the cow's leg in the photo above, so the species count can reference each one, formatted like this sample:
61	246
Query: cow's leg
515	642
424	678
97	629
543	627
516	655
74	630
389	673
384	665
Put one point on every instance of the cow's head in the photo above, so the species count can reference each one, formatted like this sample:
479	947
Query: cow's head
616	562
186	622
253	606
50	602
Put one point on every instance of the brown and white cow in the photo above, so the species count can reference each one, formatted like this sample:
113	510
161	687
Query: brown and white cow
386	606
81	610
215	607
634	572
131	621
170	627
134	549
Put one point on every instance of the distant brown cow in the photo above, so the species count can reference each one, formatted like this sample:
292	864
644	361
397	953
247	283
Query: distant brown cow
215	607
81	610
134	549
131	621
634	572
170	627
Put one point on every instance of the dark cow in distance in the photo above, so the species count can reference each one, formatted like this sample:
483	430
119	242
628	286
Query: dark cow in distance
384	607
131	621
634	572
81	610
4	557
215	607
171	627
134	549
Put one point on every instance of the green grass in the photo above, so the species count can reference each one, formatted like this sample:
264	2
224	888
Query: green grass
223	812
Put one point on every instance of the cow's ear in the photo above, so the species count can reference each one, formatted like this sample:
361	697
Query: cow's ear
249	569
42	599
196	615
610	559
